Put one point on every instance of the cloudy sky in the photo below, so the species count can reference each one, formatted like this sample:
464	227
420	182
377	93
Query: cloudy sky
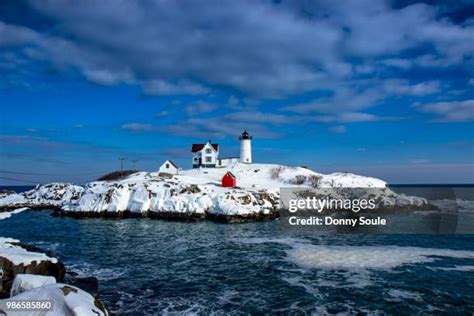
382	88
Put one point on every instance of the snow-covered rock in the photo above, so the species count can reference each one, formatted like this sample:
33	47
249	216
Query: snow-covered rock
58	192
52	195
10	249
66	300
194	193
17	258
27	282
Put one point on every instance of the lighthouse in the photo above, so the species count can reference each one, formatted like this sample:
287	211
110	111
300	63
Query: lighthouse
245	147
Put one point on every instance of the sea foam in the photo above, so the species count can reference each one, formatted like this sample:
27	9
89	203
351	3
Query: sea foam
367	257
353	258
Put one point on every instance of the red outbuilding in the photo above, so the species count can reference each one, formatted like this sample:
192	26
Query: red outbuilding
229	180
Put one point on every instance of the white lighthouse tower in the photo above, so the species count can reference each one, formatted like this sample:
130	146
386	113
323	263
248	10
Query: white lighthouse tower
245	148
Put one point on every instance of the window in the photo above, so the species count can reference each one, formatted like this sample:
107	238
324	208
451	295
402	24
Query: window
167	166
208	151
195	158
208	159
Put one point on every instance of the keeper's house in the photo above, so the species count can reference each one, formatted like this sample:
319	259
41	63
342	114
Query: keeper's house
205	155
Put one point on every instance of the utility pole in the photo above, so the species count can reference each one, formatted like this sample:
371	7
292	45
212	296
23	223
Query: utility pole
135	164
122	159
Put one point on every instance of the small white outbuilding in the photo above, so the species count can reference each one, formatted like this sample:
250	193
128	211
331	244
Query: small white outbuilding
169	167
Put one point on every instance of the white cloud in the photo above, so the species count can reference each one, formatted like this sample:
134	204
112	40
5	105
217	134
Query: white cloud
452	111
200	107
403	87
161	87
14	35
139	127
108	78
259	49
344	100
233	101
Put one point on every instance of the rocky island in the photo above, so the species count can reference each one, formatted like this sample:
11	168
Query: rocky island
195	194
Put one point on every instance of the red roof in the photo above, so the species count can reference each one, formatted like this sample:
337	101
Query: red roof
230	174
199	147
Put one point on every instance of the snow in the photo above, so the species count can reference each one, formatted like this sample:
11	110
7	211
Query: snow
66	300
11	199
18	255
272	177
349	180
5	215
27	282
197	191
55	192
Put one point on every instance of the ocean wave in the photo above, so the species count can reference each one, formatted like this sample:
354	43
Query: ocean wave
367	257
353	258
402	295
459	268
102	274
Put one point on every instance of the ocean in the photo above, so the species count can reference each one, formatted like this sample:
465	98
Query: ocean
148	267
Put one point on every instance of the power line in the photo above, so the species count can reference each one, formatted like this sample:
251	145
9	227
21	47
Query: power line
122	159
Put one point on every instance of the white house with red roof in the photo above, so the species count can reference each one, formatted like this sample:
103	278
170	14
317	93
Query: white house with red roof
205	155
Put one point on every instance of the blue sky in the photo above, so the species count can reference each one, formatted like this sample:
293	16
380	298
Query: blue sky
381	88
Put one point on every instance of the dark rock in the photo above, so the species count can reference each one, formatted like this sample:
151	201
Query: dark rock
190	189
228	219
117	175
32	206
165	175
6	192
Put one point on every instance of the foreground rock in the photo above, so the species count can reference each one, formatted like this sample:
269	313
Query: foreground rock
29	273
17	258
196	194
66	300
